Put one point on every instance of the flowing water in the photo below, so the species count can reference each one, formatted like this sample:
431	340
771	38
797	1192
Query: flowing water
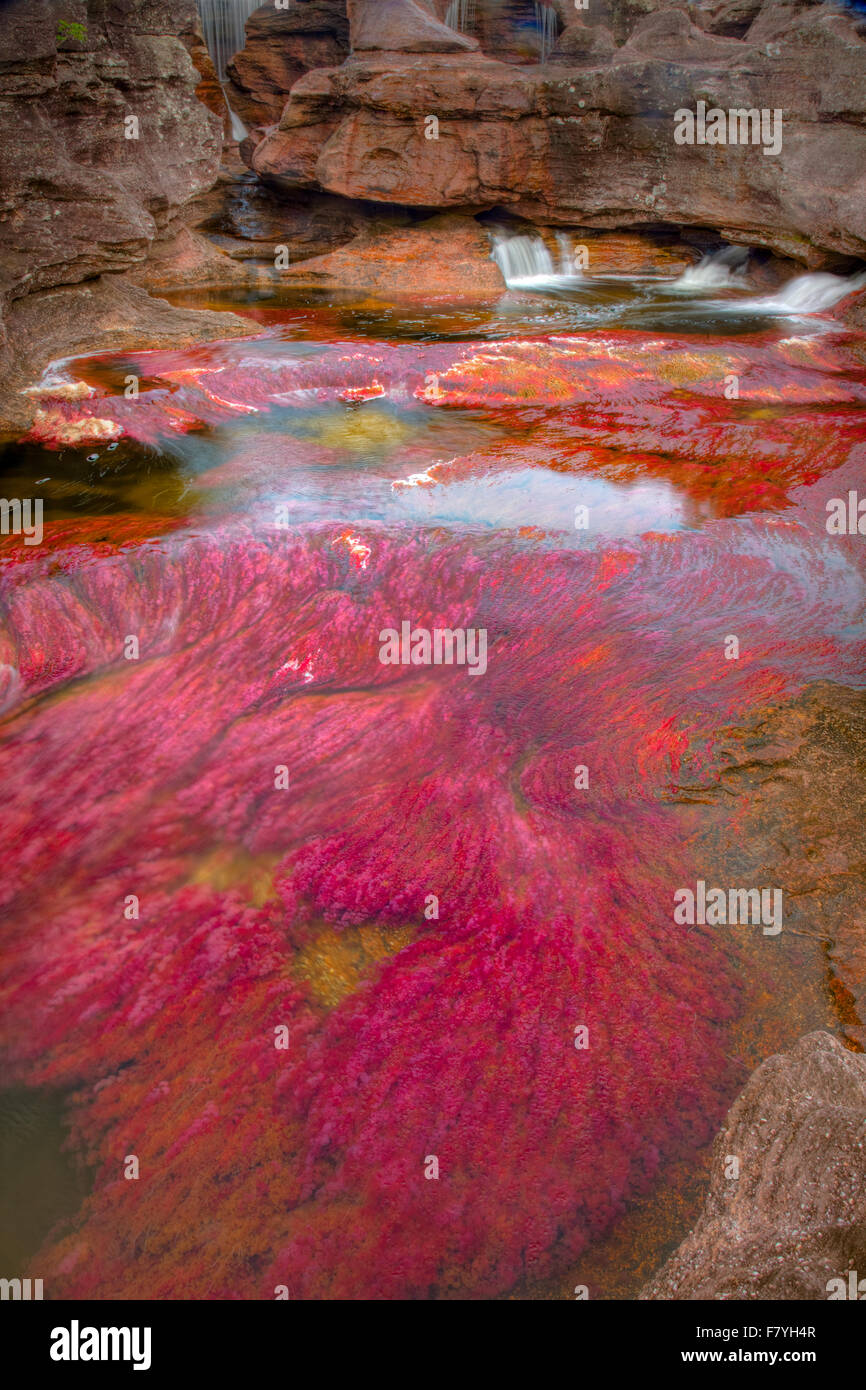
298	927
223	26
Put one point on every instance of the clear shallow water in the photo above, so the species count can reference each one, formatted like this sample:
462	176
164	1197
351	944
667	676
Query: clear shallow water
430	465
551	305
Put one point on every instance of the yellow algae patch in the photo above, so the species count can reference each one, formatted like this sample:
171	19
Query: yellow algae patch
237	871
336	962
686	368
359	430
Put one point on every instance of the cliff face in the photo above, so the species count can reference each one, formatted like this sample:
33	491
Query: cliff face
589	137
102	140
281	46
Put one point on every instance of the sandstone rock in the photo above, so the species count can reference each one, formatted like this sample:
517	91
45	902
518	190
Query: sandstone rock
79	198
446	257
670	34
187	261
592	143
402	26
583	43
630	253
281	46
795	1218
208	90
103	315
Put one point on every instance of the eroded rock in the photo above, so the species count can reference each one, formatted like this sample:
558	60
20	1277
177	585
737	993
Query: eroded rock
795	1218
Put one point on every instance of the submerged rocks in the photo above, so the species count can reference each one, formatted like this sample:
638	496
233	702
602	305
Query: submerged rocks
792	1224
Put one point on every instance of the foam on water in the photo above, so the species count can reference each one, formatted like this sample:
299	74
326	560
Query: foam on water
809	294
526	262
721	270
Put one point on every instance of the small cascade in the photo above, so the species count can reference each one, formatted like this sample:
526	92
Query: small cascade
223	25
239	130
722	270
548	28
810	294
567	264
460	15
522	259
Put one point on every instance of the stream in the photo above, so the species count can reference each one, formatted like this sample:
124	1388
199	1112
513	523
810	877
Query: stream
372	964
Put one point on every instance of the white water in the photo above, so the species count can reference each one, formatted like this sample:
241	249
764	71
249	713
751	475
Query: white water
546	24
525	261
239	130
222	23
721	270
461	15
808	294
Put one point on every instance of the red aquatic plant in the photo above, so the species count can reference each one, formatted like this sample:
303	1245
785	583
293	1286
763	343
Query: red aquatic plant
194	825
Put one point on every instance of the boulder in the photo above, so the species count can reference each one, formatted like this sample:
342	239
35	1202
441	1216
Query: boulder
281	46
402	26
792	1224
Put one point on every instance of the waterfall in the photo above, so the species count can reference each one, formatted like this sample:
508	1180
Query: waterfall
222	23
525	260
566	255
239	130
546	24
461	15
719	271
522	259
806	294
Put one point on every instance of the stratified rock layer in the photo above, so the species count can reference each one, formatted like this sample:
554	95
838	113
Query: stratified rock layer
795	1218
589	138
102	143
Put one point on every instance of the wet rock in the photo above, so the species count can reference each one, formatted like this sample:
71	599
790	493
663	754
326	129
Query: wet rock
208	90
795	1218
101	315
446	256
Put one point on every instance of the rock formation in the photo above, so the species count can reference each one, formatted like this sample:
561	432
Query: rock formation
588	138
281	46
102	144
794	1220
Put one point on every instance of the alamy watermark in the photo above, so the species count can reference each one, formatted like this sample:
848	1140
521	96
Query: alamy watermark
739	126
76	1343
846	518
720	907
444	646
22	517
22	1290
